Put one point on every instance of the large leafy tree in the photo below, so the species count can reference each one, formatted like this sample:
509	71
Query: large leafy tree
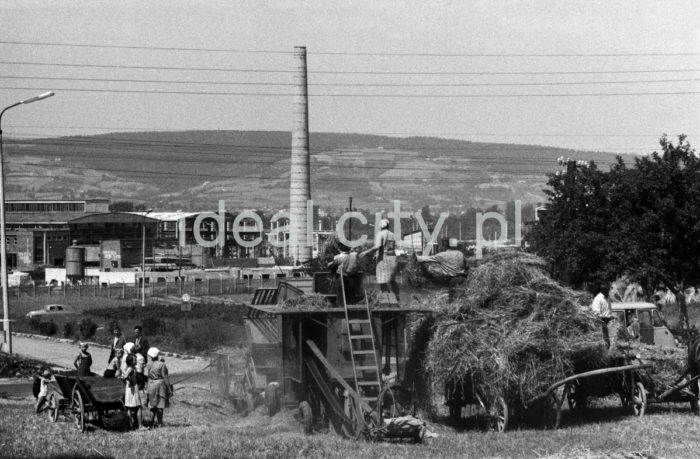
642	220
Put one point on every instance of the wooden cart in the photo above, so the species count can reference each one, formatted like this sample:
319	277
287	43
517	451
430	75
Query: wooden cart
89	399
623	380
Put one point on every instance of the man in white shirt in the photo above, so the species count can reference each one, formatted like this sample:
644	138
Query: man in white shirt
601	308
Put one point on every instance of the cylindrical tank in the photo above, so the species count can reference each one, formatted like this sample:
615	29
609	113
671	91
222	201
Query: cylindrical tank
75	262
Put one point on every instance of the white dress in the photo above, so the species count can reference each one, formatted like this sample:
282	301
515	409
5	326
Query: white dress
132	396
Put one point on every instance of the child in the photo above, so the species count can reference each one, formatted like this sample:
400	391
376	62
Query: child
44	381
114	369
83	361
132	395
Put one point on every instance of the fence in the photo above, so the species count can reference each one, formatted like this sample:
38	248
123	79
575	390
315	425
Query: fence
162	289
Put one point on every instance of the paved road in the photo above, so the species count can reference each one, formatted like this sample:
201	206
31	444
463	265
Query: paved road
63	354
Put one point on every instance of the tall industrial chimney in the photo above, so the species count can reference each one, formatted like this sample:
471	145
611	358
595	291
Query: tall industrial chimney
300	182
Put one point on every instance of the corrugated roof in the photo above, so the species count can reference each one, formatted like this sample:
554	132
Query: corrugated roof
167	216
113	217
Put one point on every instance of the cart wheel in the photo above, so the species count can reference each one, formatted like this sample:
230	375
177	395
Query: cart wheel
306	417
52	407
499	415
639	399
79	410
552	411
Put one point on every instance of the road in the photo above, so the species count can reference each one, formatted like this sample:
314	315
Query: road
63	354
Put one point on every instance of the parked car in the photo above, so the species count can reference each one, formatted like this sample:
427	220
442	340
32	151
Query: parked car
52	310
652	326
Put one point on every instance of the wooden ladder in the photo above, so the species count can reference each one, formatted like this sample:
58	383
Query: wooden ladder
363	351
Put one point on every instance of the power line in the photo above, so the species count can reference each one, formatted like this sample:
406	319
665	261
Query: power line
389	85
373	96
345	53
346	72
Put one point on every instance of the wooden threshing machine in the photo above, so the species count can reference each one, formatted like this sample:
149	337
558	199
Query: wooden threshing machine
339	365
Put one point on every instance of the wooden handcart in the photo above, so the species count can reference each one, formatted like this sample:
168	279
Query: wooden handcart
88	399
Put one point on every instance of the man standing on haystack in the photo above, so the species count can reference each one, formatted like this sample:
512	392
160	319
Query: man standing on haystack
385	247
601	308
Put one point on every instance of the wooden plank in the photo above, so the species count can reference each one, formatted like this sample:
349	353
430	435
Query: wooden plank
332	401
336	374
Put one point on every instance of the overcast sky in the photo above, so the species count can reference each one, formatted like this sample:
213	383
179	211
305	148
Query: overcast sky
423	68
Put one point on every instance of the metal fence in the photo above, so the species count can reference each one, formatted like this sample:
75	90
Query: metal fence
162	289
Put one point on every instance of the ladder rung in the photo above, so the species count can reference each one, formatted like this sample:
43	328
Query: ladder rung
358	321
366	367
369	352
369	399
367	383
360	336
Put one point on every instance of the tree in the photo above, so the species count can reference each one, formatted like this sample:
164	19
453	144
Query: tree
642	221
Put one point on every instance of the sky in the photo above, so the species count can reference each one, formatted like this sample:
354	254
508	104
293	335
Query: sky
599	75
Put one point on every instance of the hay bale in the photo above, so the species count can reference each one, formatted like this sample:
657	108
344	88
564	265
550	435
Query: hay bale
309	302
515	331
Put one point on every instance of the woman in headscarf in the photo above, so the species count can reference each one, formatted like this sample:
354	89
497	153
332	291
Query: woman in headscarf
385	248
159	390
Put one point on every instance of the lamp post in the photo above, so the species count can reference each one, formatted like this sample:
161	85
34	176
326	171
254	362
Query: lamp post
7	336
143	260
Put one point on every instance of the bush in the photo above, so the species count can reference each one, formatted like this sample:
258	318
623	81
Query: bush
87	328
207	334
152	326
68	329
35	323
48	328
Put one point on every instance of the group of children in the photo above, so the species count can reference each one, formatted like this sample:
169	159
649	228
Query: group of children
145	376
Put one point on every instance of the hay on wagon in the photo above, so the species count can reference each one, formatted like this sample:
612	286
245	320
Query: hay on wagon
514	331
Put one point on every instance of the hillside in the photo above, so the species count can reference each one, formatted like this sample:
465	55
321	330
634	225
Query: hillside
194	169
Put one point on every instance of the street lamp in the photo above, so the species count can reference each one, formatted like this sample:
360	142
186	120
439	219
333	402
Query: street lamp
143	260
7	336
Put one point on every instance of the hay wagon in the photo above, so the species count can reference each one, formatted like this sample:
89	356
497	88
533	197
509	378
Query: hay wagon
87	399
337	365
547	406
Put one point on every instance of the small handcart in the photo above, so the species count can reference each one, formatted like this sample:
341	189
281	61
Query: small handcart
88	399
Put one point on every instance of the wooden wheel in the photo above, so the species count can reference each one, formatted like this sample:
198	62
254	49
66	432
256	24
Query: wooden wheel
499	415
639	399
52	407
306	417
78	409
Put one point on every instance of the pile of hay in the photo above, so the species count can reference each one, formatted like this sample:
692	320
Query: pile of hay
309	302
514	331
669	363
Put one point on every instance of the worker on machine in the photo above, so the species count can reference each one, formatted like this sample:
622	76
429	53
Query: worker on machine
346	267
448	267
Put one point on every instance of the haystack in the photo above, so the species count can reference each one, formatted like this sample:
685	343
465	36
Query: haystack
515	331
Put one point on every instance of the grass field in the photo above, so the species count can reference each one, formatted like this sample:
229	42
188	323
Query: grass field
198	425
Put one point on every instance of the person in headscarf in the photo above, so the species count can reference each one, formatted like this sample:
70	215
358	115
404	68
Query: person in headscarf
159	389
385	249
132	395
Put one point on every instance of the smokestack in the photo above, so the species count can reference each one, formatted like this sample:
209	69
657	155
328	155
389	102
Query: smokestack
300	182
